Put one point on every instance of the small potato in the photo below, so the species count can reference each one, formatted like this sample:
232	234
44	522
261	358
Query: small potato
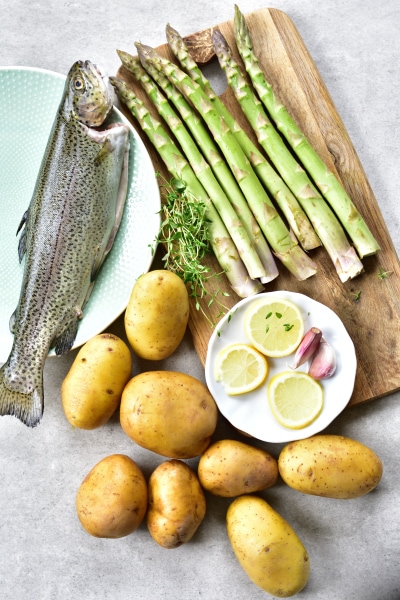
267	547
330	465
111	501
231	468
170	413
177	504
92	389
157	314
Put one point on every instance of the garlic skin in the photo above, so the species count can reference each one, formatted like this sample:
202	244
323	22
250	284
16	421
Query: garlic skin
323	364
308	346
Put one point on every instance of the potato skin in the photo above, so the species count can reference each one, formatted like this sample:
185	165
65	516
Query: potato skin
111	501
177	504
92	389
157	314
332	466
267	547
231	468
170	413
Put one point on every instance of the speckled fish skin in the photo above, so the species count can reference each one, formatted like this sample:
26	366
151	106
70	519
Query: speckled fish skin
68	230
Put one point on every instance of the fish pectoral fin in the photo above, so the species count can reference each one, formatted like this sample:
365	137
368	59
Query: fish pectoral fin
64	342
104	151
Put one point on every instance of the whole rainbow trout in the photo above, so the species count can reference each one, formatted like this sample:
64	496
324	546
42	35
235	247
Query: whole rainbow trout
67	231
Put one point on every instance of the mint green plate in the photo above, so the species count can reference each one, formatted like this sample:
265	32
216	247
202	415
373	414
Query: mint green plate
29	99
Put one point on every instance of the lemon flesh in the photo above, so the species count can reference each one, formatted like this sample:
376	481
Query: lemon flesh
241	369
275	327
295	398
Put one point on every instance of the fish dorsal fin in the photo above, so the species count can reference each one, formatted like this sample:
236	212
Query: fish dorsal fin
22	239
12	321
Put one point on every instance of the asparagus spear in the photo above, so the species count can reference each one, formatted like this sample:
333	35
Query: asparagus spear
324	178
272	181
220	240
279	237
216	161
327	226
205	175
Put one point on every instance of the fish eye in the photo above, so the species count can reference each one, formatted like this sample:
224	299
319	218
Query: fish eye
79	84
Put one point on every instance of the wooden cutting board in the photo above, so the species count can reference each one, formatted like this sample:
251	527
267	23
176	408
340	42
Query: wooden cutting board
368	306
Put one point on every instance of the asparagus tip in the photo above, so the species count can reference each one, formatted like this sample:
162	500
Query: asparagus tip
120	87
145	52
125	57
173	37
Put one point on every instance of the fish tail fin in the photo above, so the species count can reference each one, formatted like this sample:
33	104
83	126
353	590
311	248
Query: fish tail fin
28	408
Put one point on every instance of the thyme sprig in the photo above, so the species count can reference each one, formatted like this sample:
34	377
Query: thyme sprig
185	237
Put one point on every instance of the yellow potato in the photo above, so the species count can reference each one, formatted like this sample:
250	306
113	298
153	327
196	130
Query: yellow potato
230	468
177	504
330	465
267	547
170	413
157	314
111	501
92	389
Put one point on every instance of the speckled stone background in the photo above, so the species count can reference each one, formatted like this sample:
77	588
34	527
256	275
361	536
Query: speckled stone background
354	546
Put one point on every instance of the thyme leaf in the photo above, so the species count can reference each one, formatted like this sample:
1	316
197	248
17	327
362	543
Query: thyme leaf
382	274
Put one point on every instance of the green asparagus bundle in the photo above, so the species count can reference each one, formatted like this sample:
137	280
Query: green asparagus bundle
205	175
220	240
325	180
277	234
222	172
324	221
273	183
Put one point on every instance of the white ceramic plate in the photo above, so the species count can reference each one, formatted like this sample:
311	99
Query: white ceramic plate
29	99
250	412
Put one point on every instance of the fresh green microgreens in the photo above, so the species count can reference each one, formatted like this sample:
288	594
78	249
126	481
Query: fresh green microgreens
357	296
184	235
382	274
288	326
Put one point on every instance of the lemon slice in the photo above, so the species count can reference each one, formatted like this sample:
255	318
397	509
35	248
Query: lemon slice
295	398
241	369
274	326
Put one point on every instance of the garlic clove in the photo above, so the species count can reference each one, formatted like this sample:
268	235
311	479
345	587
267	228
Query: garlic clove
308	345
323	364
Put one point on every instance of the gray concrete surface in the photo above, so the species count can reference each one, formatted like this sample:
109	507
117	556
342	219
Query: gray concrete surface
354	546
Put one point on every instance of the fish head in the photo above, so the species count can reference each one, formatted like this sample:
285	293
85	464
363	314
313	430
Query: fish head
89	96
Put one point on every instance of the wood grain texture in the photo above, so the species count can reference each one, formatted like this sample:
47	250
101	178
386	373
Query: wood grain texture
373	321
